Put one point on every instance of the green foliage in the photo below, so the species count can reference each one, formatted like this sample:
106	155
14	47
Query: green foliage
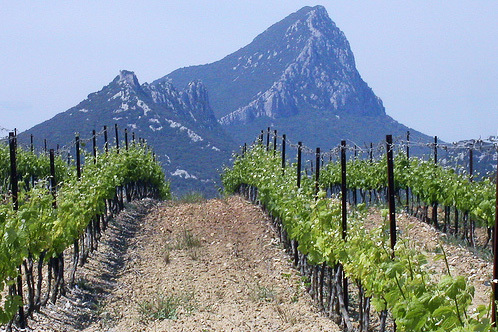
262	293
401	284
186	240
430	182
159	308
192	197
39	227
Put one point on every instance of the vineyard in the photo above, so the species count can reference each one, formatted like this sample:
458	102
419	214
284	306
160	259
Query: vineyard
354	269
366	276
53	207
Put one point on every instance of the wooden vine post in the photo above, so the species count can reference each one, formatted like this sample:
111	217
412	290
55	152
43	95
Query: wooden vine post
53	180
275	142
119	189
116	131
344	193
283	153
13	170
471	164
344	209
408	144
126	186
244	150
371	152
317	172
435	205
472	221
408	158
495	253
355	198
76	244
268	139
390	194
106	144
78	157
299	160
435	150
56	263
390	191
94	146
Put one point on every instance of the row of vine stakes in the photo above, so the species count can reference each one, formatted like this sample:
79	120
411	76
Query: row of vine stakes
390	193
12	141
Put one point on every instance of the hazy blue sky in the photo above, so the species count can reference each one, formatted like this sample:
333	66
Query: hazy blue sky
433	63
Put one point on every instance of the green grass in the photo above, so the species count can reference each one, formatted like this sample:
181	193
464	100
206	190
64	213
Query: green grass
263	294
160	307
187	240
192	197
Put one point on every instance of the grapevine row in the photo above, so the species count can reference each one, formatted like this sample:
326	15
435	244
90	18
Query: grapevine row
428	182
391	281
58	207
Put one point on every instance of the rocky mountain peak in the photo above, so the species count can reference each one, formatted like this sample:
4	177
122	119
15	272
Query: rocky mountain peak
195	93
195	97
179	124
301	64
316	19
320	75
307	10
126	77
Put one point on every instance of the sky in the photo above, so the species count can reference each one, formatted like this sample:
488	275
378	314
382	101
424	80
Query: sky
433	63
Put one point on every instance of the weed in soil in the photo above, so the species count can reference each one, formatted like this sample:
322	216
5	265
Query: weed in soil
193	197
285	315
160	307
187	240
166	254
263	294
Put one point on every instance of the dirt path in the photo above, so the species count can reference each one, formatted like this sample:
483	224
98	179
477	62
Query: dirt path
211	266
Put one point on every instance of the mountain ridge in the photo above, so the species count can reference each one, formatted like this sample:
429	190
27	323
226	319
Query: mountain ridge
178	124
299	77
296	68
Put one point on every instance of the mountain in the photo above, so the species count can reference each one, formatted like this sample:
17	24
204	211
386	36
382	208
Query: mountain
484	156
179	124
299	76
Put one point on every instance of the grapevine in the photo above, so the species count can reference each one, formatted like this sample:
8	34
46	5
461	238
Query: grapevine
401	284
430	182
44	225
